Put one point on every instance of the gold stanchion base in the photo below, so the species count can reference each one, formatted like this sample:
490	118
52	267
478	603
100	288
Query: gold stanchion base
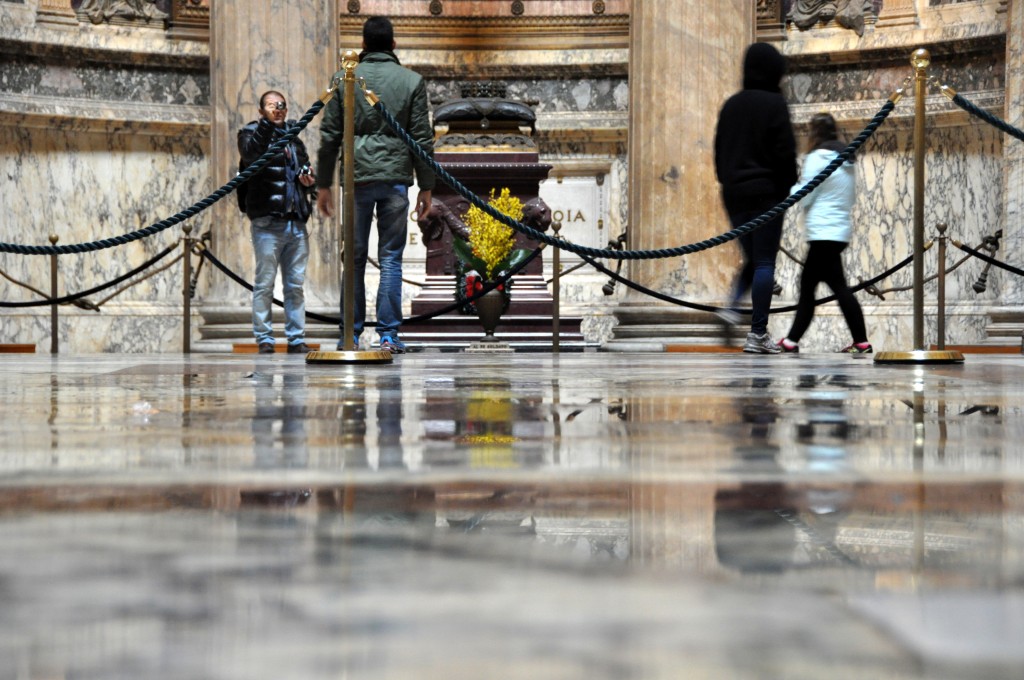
376	356
920	356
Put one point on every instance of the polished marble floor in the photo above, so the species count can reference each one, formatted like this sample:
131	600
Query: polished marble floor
588	515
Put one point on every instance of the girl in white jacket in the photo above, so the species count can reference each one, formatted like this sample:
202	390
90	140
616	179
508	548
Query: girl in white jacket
828	225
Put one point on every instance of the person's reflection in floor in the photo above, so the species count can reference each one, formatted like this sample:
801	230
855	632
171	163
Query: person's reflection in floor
389	421
279	435
750	533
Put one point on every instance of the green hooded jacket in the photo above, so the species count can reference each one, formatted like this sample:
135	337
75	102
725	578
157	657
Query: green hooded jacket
380	155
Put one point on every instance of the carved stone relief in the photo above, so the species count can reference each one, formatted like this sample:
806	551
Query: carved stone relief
769	11
103	11
850	14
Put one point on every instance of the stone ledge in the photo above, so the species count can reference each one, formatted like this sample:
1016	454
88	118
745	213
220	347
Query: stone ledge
104	116
106	44
940	111
841	46
17	349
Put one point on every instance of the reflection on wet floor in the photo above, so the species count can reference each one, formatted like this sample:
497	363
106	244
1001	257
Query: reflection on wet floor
752	526
591	516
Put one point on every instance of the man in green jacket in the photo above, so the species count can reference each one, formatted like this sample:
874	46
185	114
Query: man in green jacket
384	169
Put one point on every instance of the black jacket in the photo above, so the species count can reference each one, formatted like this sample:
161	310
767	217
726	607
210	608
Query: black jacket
274	190
755	151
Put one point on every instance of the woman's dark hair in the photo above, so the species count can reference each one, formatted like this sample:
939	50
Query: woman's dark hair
378	34
825	134
823	129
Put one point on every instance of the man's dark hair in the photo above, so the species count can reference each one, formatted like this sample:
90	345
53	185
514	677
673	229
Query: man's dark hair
263	97
378	34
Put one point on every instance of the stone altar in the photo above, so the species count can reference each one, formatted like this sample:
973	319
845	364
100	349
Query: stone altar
486	143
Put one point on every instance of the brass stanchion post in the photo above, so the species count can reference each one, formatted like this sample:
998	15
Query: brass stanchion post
556	293
348	209
54	340
349	354
186	292
920	60
941	320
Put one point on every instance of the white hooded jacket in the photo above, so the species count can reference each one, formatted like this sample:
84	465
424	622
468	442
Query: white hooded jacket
826	210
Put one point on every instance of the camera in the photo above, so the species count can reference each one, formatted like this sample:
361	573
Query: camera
306	170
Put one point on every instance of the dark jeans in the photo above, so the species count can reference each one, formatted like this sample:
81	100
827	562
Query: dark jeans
825	264
391	202
758	273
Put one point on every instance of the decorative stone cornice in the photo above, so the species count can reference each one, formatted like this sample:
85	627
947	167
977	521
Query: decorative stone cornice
599	31
894	46
940	111
111	117
113	46
506	47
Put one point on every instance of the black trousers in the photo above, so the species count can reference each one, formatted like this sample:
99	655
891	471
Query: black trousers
760	248
824	264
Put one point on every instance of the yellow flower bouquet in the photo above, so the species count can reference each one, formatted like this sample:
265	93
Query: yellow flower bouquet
490	251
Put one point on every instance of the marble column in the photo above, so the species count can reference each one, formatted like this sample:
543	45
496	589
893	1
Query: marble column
56	13
897	13
685	60
257	45
672	521
1006	320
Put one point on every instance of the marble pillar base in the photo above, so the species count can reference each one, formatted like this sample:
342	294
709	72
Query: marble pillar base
129	328
651	327
223	326
1005	326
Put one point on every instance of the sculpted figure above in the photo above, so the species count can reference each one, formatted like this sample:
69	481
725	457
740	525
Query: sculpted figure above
847	13
100	11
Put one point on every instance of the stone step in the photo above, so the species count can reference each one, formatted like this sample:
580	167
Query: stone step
16	348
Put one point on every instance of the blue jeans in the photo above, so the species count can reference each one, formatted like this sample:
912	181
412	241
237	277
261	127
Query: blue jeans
391	202
760	248
279	243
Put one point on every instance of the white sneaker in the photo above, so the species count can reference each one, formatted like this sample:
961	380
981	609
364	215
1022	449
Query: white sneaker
760	344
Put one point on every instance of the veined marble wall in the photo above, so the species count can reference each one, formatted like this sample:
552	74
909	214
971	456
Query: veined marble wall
106	129
103	131
832	69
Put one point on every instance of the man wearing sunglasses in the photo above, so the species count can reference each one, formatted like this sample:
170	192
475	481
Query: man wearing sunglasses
277	201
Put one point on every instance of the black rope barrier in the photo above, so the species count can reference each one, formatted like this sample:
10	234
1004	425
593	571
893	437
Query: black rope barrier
991	119
488	287
185	214
81	304
92	291
714	241
640	288
988	258
206	254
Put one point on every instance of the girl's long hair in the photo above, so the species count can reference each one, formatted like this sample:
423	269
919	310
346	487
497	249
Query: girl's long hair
825	134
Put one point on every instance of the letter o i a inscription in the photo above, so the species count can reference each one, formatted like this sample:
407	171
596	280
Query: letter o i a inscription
575	201
569	215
